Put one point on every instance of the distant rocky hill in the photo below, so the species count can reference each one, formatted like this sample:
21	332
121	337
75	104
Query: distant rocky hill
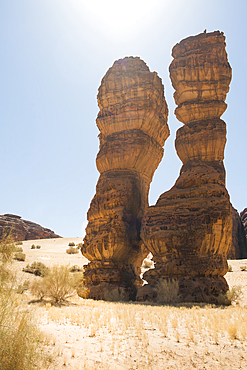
24	230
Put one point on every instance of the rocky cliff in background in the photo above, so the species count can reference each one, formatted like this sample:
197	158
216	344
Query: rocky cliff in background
238	249
189	230
24	230
243	216
133	128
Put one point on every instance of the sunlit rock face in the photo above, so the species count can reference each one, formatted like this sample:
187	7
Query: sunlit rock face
189	230
133	128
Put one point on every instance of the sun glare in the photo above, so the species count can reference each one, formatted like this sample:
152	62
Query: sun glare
116	16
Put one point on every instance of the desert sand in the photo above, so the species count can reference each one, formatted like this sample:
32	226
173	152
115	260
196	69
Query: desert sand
87	334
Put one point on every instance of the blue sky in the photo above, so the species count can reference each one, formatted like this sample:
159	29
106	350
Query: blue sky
53	55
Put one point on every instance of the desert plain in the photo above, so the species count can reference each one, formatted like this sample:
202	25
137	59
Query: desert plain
87	334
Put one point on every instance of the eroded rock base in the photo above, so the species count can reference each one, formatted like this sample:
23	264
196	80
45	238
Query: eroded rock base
110	281
191	289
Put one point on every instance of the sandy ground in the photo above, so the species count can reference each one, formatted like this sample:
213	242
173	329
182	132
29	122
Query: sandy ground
100	335
52	252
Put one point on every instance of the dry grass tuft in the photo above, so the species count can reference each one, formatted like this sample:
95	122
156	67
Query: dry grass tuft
72	250
21	343
168	291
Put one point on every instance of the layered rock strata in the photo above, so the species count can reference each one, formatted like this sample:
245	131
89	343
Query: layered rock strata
133	128
243	216
24	230
189	230
238	248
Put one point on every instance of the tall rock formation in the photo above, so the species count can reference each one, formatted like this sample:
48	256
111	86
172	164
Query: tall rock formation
24	230
189	230
133	128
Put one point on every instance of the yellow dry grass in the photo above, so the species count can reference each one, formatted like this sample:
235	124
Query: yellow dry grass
92	335
100	335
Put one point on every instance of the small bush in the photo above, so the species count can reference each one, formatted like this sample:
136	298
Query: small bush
19	256
37	268
229	268
75	268
79	245
21	288
114	295
58	285
71	244
37	289
231	296
168	291
35	247
234	294
18	243
223	300
72	250
243	268
18	249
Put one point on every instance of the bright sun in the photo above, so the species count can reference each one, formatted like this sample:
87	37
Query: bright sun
120	16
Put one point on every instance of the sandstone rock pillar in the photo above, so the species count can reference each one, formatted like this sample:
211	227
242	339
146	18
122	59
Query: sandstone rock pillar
189	230
133	128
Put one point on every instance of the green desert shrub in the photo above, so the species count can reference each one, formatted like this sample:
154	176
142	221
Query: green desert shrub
32	246
243	268
58	285
167	291
232	296
36	268
223	300
79	245
19	256
38	246
72	250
